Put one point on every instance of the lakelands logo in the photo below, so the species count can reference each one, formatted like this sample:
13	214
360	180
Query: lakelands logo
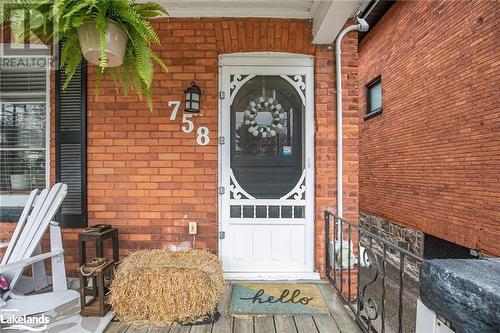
9	321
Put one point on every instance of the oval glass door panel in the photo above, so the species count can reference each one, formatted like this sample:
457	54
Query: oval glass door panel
266	137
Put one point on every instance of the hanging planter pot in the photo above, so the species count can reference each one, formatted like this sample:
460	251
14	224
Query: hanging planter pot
116	43
100	31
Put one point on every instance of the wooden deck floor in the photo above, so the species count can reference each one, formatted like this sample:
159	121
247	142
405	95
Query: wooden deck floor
339	321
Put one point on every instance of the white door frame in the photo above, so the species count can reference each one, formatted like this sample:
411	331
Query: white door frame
268	63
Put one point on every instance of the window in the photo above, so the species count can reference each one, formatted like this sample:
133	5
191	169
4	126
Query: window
374	97
24	151
267	136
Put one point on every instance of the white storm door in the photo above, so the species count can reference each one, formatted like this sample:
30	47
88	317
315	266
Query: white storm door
266	159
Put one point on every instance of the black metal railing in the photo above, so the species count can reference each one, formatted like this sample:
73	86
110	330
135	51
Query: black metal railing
371	276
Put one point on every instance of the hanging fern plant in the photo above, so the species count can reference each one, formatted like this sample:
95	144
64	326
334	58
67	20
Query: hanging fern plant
65	19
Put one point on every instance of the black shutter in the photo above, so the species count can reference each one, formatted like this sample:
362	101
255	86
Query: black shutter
71	143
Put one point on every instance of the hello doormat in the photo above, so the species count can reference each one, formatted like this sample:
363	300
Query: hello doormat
280	299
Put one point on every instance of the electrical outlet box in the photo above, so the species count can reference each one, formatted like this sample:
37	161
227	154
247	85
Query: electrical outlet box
193	228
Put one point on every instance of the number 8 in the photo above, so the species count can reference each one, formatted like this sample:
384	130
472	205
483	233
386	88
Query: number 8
203	139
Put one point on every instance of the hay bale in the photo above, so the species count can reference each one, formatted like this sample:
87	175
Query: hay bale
159	287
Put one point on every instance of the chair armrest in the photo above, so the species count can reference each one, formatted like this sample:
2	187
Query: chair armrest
30	261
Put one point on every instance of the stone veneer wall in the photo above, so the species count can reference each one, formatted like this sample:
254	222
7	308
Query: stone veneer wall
407	238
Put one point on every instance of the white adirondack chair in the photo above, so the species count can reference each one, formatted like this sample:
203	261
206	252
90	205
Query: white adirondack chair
24	250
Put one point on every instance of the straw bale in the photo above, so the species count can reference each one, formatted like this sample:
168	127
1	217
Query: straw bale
159	287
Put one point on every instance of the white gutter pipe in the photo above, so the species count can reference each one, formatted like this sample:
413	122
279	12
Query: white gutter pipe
361	26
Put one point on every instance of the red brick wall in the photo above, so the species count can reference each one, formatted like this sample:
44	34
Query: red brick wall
431	160
150	179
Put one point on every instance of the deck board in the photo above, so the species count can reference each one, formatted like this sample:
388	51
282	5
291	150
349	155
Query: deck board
116	327
132	329
223	325
264	324
156	329
243	325
201	329
305	324
326	324
284	324
179	329
339	313
339	321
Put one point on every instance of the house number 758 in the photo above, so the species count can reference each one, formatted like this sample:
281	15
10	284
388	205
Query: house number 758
187	126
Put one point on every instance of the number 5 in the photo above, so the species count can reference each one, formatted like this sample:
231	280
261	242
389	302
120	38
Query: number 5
185	120
176	105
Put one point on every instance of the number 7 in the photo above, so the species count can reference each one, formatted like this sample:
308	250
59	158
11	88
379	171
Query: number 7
176	105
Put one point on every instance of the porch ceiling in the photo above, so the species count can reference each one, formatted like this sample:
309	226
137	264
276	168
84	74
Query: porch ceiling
328	15
300	9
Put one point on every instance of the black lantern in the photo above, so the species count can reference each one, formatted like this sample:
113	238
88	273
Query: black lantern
193	95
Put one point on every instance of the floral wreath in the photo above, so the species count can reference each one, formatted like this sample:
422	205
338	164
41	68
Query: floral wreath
258	105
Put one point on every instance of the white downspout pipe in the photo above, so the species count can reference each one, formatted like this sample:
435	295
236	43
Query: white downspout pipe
360	26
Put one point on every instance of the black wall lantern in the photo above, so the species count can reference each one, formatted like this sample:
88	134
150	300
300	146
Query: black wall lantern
193	95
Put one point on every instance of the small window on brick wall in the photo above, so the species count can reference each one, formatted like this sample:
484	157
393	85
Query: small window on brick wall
374	97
